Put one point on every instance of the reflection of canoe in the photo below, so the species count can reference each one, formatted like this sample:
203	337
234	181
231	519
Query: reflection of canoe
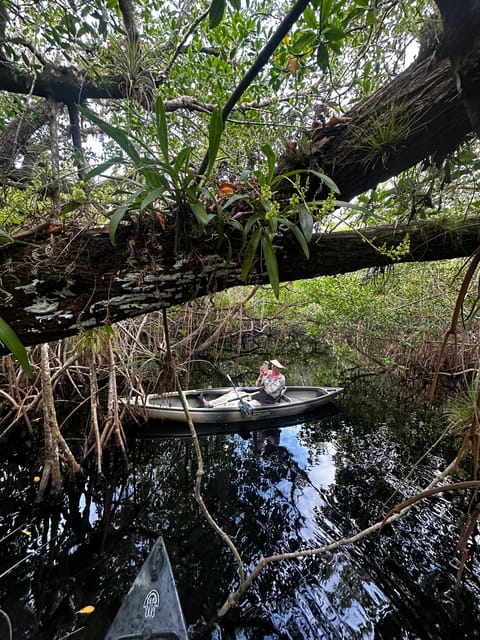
168	408
151	608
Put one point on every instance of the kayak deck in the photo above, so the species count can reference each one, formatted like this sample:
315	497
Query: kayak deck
151	608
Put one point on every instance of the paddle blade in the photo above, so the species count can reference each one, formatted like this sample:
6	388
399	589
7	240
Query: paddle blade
245	408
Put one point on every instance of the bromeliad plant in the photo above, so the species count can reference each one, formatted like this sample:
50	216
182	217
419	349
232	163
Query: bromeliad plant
170	181
173	183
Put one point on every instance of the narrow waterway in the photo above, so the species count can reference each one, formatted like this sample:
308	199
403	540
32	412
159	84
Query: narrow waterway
300	486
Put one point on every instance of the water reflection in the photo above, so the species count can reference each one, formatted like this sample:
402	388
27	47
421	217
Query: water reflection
280	490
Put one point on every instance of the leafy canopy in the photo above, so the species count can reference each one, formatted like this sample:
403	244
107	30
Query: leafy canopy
155	76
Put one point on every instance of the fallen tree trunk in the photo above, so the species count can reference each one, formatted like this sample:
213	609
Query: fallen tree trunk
66	283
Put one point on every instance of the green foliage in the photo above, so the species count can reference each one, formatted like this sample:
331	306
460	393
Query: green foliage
345	45
216	13
463	409
398	251
13	344
383	134
172	181
149	146
165	180
387	318
296	217
95	340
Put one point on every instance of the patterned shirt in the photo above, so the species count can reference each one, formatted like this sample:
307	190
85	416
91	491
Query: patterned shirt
273	385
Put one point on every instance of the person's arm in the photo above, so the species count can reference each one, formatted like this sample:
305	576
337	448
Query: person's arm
262	375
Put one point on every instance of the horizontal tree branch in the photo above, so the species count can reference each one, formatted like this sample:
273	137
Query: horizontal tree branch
61	284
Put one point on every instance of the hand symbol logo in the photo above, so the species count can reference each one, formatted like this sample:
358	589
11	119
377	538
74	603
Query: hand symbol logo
151	603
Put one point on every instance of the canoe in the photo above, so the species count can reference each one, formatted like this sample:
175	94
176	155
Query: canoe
151	608
168	409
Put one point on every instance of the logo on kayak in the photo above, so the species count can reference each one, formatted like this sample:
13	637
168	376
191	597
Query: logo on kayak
151	603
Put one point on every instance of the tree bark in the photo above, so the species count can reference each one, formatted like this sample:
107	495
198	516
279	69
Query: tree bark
58	286
419	115
461	22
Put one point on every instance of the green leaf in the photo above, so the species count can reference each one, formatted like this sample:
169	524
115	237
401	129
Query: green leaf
228	257
305	41
350	205
371	18
5	237
182	159
115	221
310	19
300	238
333	34
215	130
104	166
271	263
162	129
232	199
326	11
215	15
119	135
306	222
200	212
335	47
154	179
250	253
326	180
250	222
151	196
236	224
13	344
68	207
323	59
167	169
271	159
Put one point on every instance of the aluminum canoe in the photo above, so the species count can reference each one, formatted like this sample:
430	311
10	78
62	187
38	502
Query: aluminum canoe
168	407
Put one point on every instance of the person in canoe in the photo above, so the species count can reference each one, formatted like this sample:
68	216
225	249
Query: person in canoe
271	383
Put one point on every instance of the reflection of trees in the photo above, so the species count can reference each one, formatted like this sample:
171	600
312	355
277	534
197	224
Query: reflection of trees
255	497
73	551
97	537
410	562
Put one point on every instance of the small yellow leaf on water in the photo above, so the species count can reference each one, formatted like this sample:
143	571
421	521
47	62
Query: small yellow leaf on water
36	479
89	608
26	532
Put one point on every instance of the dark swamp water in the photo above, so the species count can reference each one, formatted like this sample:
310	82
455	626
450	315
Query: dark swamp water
303	485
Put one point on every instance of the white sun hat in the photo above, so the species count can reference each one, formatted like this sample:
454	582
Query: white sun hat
276	363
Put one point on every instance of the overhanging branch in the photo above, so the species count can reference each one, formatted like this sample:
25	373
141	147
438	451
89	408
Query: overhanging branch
60	285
